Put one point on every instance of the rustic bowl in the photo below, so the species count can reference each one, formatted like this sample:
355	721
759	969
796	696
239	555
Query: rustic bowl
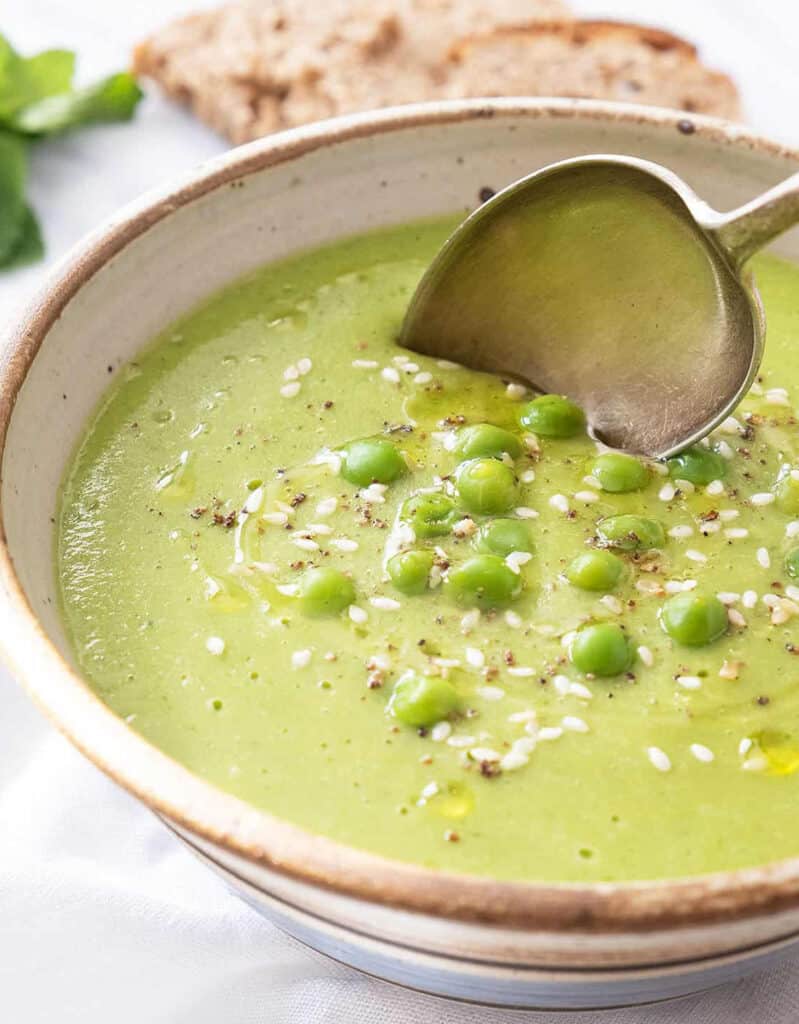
515	944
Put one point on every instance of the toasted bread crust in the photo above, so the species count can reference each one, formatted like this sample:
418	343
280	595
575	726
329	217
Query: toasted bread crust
253	67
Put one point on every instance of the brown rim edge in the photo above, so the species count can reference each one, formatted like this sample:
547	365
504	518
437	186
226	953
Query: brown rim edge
167	787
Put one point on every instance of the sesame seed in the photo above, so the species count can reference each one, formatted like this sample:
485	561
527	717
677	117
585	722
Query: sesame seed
288	589
440	732
291	373
464	527
678	586
305	543
390	374
304	365
792	592
365	364
410	367
574	724
215	645
695	556
446	662
475	657
667	492
660	468
730	669
512	619
728	597
562	684
646	656
579	690
374	494
764	498
344	544
680	532
525	513
530	715
763	558
400	360
749	598
658	758
559	502
685	486
550	732
423	378
514	760
322	529
384	604
460	741
592	482
702	753
521	670
758	763
612	603
470	620
731	426
736	533
726	514
744	746
736	618
792	529
291	389
447	364
356	614
714	488
485	754
586	496
527	476
515	391
689	682
299	659
725	450
492	693
516	559
777	396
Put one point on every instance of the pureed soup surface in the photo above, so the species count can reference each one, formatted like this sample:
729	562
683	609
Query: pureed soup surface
455	707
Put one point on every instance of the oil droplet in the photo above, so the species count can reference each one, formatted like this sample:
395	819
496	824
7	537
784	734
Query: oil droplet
780	750
453	801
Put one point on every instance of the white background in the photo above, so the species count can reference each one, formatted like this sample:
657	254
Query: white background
103	918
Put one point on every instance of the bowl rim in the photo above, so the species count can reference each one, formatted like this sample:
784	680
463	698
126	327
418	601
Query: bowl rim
200	807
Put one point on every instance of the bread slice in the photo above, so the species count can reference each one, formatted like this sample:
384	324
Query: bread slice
256	66
590	59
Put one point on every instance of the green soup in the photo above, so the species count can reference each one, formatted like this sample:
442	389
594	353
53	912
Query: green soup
470	640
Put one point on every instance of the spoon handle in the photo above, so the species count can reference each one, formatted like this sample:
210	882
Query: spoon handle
744	231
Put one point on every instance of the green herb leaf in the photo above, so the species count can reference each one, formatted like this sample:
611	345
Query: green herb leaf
112	99
26	80
13	169
29	246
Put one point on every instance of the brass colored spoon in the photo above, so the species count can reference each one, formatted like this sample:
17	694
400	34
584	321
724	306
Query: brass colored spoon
606	279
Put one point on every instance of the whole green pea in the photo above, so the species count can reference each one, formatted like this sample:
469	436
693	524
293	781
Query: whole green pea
410	571
371	460
698	465
595	570
787	492
601	649
792	564
503	536
694	620
484	581
631	533
325	591
486	486
553	416
619	473
486	440
421	701
430	515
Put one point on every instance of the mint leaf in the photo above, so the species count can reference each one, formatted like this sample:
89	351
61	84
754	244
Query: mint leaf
13	170
112	99
29	246
25	80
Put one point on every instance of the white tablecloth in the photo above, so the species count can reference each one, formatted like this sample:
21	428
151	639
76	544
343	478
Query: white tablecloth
104	918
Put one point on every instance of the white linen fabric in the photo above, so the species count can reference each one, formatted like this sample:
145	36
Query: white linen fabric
104	917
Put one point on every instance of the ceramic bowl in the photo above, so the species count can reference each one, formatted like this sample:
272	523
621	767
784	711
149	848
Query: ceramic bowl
513	944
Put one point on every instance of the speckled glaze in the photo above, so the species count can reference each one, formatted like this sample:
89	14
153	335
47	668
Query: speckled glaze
513	944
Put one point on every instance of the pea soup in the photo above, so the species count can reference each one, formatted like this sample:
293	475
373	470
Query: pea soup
417	609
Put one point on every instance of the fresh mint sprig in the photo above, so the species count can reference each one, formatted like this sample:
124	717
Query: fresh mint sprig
38	99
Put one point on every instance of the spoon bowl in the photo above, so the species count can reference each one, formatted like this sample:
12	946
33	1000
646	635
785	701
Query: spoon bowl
607	279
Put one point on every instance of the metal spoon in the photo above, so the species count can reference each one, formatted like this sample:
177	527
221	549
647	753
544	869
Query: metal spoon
605	278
